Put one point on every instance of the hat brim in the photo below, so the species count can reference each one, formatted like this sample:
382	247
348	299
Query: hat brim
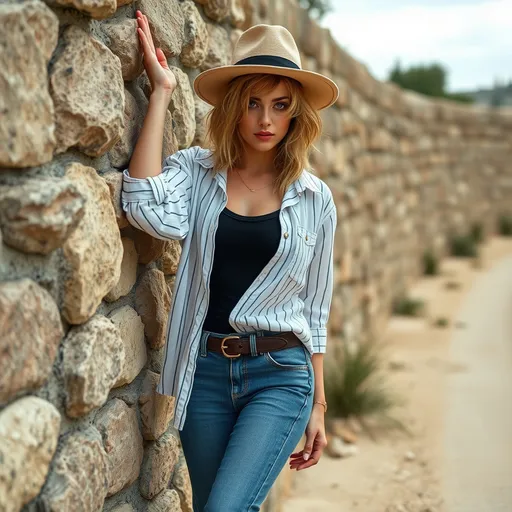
211	85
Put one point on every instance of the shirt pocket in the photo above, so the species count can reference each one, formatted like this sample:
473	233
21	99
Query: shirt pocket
303	247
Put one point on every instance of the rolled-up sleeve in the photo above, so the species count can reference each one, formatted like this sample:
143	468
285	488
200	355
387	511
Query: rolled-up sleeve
160	205
317	292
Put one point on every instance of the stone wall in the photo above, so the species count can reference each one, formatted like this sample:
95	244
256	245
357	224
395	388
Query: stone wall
84	297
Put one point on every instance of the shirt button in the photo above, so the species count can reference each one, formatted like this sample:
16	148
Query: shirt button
286	235
307	238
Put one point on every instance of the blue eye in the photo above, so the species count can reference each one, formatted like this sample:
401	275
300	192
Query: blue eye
251	102
283	106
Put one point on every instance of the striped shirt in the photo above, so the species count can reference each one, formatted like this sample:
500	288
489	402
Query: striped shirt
293	291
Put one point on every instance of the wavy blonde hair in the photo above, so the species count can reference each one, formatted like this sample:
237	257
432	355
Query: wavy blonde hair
226	143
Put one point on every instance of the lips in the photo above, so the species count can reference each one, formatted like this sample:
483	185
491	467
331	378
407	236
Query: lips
264	133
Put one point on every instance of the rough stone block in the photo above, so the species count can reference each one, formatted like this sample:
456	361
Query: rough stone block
27	40
118	426
132	333
30	332
182	108
167	501
219	47
94	251
166	23
80	476
124	42
39	215
114	181
153	302
196	36
159	460
85	118
156	410
93	358
29	431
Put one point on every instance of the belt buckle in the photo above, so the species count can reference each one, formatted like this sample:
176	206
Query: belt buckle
223	347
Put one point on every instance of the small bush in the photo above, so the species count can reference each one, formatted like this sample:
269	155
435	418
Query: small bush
477	232
407	306
505	225
441	322
463	246
430	263
354	386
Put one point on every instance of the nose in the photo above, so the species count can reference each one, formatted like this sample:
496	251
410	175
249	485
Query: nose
265	117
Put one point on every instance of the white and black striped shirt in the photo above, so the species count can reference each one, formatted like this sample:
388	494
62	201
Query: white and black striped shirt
292	293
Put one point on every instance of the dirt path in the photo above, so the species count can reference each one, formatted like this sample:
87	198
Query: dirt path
457	385
477	444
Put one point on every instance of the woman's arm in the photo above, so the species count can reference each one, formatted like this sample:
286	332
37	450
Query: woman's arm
317	295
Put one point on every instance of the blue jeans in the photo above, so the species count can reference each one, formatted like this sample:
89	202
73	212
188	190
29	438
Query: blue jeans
244	419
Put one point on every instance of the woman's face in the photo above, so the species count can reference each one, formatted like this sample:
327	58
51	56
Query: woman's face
266	113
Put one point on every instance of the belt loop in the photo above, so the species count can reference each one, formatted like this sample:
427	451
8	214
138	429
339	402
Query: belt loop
203	343
252	344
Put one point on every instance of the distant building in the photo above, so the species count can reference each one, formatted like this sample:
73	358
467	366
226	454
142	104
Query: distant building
499	96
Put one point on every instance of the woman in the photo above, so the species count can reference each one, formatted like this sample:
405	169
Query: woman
247	328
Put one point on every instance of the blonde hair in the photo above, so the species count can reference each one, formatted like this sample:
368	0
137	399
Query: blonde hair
226	143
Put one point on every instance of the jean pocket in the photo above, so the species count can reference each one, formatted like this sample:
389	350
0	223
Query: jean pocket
295	358
303	247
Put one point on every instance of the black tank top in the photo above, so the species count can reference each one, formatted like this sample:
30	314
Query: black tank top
243	247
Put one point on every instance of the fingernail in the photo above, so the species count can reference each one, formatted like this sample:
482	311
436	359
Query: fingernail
306	456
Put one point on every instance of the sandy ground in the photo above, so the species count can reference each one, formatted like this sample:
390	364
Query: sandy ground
456	383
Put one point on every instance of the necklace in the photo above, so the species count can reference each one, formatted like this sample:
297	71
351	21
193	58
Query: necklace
254	189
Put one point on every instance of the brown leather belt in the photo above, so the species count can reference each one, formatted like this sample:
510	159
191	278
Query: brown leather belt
236	346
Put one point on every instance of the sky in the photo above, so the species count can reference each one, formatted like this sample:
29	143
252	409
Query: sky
472	39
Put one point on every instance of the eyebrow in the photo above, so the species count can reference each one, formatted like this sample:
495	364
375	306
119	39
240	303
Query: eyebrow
275	99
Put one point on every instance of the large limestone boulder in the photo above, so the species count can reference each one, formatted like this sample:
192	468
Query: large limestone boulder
167	501
196	36
148	248
160	458
88	93
94	250
30	332
124	42
28	38
98	9
128	272
93	359
180	482
217	10
237	13
166	23
202	109
153	302
156	410
171	257
132	333
114	180
80	476
182	108
121	153
38	216
118	426
219	47
29	431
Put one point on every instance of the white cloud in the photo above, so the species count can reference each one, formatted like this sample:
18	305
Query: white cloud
474	41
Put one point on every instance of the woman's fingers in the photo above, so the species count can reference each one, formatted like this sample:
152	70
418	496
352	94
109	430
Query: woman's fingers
143	24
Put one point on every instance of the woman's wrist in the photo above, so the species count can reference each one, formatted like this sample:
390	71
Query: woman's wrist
320	403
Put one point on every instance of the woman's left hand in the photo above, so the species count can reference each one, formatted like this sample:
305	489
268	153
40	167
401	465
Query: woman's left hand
316	441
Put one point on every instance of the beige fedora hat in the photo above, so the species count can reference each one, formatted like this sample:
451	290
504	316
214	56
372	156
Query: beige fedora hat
266	49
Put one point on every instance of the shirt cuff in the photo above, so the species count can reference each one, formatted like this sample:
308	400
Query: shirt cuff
319	340
140	189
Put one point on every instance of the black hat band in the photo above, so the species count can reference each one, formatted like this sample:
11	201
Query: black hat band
268	60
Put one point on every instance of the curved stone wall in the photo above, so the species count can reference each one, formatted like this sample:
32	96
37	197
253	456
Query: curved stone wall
84	297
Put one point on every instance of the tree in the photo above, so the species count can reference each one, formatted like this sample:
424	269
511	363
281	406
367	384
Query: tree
425	79
316	8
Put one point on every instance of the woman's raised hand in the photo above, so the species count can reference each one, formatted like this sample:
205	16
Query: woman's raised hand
160	76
